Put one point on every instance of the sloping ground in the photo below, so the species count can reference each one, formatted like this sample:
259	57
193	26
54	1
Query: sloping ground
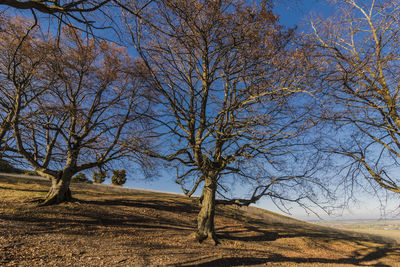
112	227
389	228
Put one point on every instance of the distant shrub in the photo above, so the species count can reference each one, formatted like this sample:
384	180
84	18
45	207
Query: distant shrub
99	177
119	177
81	178
6	167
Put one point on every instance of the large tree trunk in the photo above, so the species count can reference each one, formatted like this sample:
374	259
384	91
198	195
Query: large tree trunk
59	191
205	220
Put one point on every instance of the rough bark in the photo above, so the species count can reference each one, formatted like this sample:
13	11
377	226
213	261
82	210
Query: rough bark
205	220
59	191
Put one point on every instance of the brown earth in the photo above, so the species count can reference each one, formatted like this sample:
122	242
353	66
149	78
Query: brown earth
107	226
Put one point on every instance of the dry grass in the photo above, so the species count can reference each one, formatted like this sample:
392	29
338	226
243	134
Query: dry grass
139	228
391	234
385	228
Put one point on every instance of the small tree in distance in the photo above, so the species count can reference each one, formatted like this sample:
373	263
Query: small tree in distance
119	177
99	177
81	178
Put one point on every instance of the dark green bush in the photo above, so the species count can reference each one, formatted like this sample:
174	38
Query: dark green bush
6	167
99	177
119	177
81	178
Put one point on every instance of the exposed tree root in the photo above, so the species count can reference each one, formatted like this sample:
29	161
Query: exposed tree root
200	237
55	197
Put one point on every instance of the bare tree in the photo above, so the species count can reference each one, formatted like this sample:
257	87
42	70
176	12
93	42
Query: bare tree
82	121
72	12
360	55
231	99
58	8
22	60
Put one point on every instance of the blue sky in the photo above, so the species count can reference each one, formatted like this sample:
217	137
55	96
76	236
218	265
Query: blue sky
296	12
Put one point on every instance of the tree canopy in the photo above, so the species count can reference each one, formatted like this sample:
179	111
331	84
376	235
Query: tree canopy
87	114
232	101
360	51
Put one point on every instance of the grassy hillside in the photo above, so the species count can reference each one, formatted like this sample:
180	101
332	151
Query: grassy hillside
111	226
386	228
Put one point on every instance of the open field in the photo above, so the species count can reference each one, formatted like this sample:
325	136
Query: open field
111	226
385	228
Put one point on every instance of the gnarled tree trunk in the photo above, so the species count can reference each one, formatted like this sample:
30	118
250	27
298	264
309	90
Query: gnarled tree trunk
59	191
205	220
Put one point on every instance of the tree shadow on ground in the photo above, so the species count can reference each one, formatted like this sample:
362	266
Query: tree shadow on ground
302	229
90	217
151	204
356	259
86	217
229	261
23	190
231	234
